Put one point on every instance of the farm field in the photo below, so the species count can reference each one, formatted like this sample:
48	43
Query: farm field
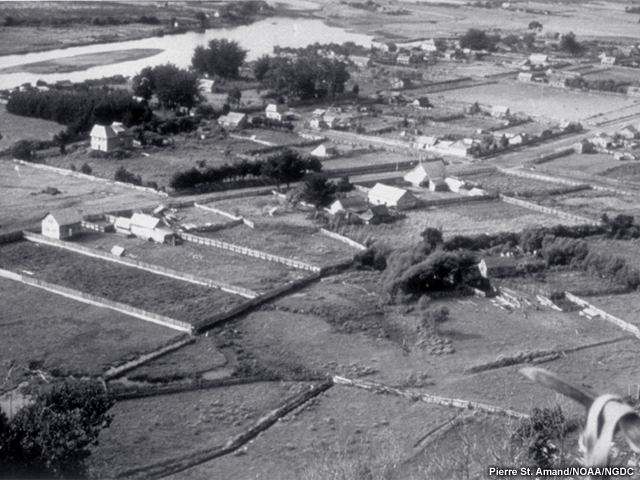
305	244
591	164
625	306
175	425
45	331
116	282
627	249
535	101
466	219
24	202
628	172
563	280
201	260
513	186
366	159
593	204
14	128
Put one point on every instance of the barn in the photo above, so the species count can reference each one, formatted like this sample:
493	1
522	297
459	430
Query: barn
233	120
63	224
349	204
395	197
492	267
147	227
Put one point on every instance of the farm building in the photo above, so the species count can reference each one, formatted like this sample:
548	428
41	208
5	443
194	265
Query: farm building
429	46
400	83
633	91
122	226
492	267
349	204
322	151
375	215
431	174
608	60
403	59
455	184
233	120
277	111
583	146
63	224
602	140
518	139
538	59
459	148
147	227
107	138
359	61
629	132
530	76
500	111
388	47
206	85
422	103
395	197
425	143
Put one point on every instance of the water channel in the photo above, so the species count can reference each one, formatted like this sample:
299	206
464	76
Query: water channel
258	38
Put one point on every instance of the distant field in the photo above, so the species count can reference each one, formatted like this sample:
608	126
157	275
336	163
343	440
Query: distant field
540	101
207	262
159	294
511	185
593	203
14	128
52	332
592	163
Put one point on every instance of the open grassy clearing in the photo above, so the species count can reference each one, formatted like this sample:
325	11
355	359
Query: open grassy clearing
144	431
14	128
563	280
627	249
305	244
592	164
366	159
593	204
138	288
626	171
513	186
624	306
539	101
467	219
200	216
42	330
201	260
24	204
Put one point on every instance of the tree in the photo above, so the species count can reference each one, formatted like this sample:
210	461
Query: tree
285	167
477	40
570	45
261	67
21	150
50	438
62	139
222	57
535	25
201	17
318	191
432	237
234	96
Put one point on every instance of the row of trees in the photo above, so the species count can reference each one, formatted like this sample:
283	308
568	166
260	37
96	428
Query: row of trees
173	86
80	109
282	168
304	77
477	39
221	57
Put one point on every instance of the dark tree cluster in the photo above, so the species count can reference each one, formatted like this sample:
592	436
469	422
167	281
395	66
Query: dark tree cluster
304	77
173	86
81	109
603	85
569	44
51	437
476	39
222	57
284	167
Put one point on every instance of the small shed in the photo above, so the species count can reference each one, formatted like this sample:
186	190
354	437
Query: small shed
395	197
233	120
62	224
400	83
375	215
349	204
422	103
278	111
608	60
495	267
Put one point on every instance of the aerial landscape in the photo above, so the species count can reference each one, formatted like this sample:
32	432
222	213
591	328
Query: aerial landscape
319	239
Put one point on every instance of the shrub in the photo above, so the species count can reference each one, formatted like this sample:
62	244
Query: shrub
86	169
123	175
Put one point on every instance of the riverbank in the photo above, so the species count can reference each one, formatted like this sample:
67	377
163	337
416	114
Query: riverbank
82	62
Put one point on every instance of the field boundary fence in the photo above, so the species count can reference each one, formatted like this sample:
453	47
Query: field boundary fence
91	178
446	402
626	326
343	239
248	251
551	156
548	210
167	272
99	301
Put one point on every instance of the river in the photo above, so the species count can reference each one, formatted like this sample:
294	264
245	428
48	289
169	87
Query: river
258	38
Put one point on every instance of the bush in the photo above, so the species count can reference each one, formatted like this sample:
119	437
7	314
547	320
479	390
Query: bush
540	433
22	150
86	169
123	175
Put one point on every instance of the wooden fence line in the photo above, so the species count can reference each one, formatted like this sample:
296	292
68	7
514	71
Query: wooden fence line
218	211
627	327
343	239
248	251
167	272
103	302
447	402
551	211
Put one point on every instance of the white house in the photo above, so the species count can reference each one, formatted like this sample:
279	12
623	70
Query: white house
322	151
106	138
233	120
431	174
399	198
349	204
277	111
62	224
147	227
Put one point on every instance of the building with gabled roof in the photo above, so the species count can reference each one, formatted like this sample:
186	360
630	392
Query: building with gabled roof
422	103
279	111
233	120
500	111
107	138
492	267
395	197
147	227
424	142
353	204
62	224
629	132
431	174
375	214
322	151
538	59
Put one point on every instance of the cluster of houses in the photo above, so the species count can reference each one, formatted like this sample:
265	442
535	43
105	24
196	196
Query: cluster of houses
627	137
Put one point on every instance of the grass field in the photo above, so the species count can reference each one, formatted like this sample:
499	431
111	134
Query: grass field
14	128
138	288
593	163
201	260
593	204
42	330
24	204
511	185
